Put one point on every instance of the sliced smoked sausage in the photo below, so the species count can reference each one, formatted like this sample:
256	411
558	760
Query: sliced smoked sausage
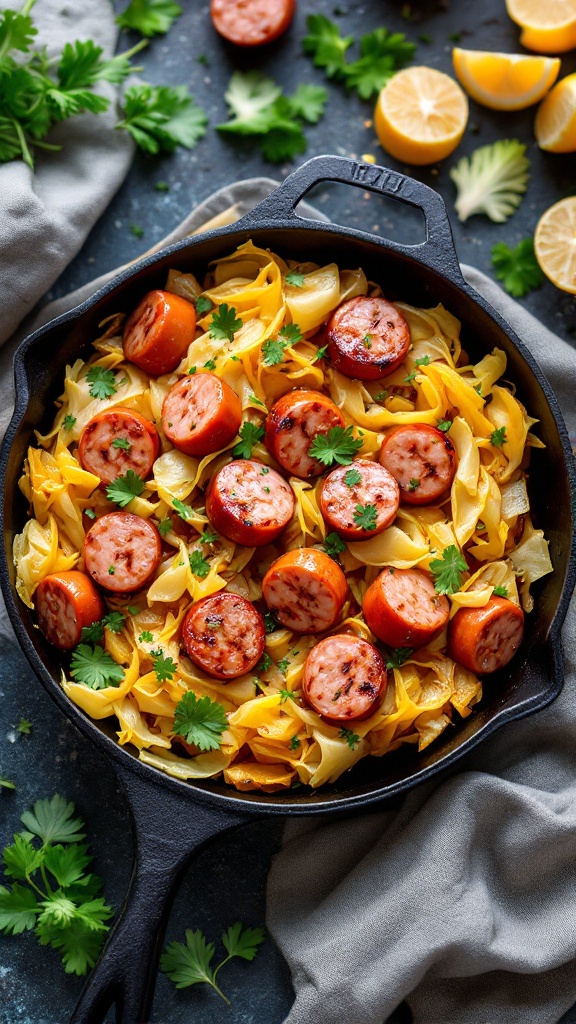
485	639
359	508
122	551
249	503
367	338
305	589
224	635
403	609
201	414
422	459
293	423
344	678
158	332
251	22
66	602
117	440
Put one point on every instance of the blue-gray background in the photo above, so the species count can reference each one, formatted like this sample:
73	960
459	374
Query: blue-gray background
226	881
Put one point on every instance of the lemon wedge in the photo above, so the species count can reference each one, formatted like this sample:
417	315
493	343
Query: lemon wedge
504	81
555	124
548	26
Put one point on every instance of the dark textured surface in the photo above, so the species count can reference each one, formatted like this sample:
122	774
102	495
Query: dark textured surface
226	881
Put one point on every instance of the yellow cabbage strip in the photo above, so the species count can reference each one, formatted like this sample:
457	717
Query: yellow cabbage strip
36	554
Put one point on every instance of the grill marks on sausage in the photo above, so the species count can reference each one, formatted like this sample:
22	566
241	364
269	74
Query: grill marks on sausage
403	608
247	506
354	321
126	544
419	452
485	639
224	634
293	423
306	590
339	501
201	414
344	678
98	455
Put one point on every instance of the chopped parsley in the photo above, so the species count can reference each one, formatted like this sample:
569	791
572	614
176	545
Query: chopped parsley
183	510
69	422
295	279
351	738
198	564
447	570
367	341
164	526
210	364
333	545
294	743
208	538
365	516
498	437
398	656
270	623
165	668
444	425
224	323
283	665
121	442
24	727
203	304
414	483
320	353
285	694
146	637
94	667
102	383
338	445
353	476
264	664
200	721
124	488
251	435
500	591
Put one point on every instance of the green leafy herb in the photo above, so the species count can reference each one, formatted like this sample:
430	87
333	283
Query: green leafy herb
382	53
4	784
198	564
411	376
423	361
24	727
114	621
200	721
256	401
149	17
333	545
69	422
285	694
270	623
518	268
351	738
444	425
500	591
283	665
164	526
398	656
381	396
94	667
224	323
90	513
184	511
492	180
190	964
52	894
165	668
264	664
210	364
121	442
146	637
478	389
208	537
294	743
124	488
320	354
414	483
365	516
203	304
338	445
447	570
273	350
353	476
162	186
498	437
111	570
325	44
160	118
295	279
93	633
137	231
102	383
258	108
251	435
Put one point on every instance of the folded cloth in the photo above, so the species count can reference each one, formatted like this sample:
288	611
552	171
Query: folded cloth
463	900
47	213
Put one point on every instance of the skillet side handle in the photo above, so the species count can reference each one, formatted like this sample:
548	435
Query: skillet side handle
167	831
438	251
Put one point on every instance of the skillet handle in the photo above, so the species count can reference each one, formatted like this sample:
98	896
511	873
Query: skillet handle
168	831
437	251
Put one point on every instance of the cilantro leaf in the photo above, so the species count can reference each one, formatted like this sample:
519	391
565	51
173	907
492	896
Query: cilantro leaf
285	694
146	637
365	516
114	621
498	437
325	44
189	964
413	484
66	863
16	32
200	721
447	570
95	668
208	537
351	738
6	784
251	435
198	565
160	118
53	821
224	323
124	488
243	942
93	633
518	268
382	53
444	425
121	442
500	591
102	383
69	422
294	743
149	17
250	97
273	352
290	334
18	909
165	668
320	353
398	656
203	304
164	526
352	477
294	279
338	445
492	180
308	102
184	511
333	545
21	858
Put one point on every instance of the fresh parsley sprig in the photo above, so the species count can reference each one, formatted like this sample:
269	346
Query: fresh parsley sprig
365	516
124	488
273	349
333	545
251	435
382	53
94	667
447	570
200	721
498	437
149	17
159	118
51	892
101	382
190	963
517	268
338	445
224	323
398	656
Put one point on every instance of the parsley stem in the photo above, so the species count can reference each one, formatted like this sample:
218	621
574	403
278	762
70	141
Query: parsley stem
45	879
215	986
38	890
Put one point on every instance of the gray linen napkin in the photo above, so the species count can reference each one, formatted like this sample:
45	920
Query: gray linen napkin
463	901
46	215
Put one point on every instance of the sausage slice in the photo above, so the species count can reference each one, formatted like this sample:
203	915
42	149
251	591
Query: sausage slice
351	505
367	338
117	440
66	602
306	590
344	678
224	635
403	609
483	640
293	423
251	22
422	459
158	332
201	414
122	551
249	503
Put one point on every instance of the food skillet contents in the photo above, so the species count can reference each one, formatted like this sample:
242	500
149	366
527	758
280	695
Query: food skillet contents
280	523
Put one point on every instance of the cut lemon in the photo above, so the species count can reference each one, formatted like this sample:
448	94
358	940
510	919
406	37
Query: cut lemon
555	244
420	115
548	26
555	124
504	81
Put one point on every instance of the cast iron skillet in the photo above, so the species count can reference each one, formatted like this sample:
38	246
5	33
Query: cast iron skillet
166	836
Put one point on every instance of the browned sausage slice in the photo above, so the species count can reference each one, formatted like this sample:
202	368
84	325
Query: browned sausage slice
66	602
422	459
249	503
367	338
117	440
359	508
251	22
122	551
484	639
201	414
306	590
344	678
403	609
293	423
224	635
158	332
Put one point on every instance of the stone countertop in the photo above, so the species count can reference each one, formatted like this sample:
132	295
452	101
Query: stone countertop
226	882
